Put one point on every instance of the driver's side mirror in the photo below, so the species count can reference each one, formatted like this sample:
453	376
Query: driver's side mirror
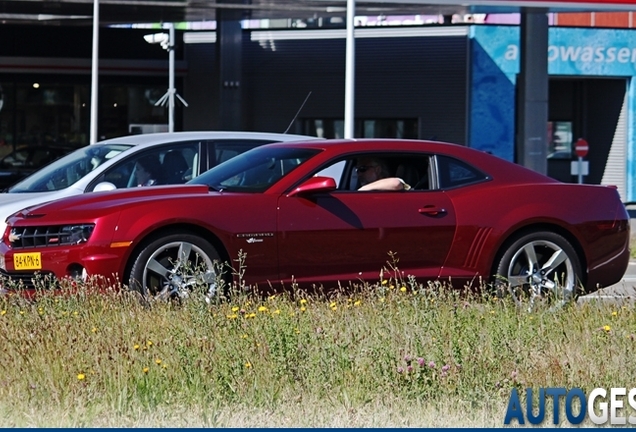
314	185
104	186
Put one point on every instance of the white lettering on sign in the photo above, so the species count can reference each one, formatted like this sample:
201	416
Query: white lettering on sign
585	54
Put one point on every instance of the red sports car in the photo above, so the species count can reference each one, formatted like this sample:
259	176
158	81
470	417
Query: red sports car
295	210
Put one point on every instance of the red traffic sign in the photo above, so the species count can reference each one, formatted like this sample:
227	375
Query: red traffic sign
581	147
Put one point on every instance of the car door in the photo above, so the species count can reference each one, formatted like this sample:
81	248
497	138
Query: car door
348	234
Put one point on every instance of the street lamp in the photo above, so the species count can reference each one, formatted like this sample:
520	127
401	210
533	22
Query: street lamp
166	40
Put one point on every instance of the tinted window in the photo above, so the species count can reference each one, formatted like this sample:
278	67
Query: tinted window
255	170
223	150
453	172
412	168
169	164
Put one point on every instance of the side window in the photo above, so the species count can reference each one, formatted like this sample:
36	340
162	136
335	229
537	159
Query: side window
165	165
412	168
334	171
223	150
365	168
453	172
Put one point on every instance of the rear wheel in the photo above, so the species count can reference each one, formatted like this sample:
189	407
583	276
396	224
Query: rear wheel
537	267
175	265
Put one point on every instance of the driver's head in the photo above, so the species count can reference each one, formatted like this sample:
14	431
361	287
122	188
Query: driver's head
370	169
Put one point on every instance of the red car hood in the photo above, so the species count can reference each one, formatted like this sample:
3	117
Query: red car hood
110	200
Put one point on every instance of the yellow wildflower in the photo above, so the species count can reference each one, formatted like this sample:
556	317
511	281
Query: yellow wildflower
248	365
614	313
235	309
357	303
276	312
81	376
384	282
303	309
149	343
145	370
303	301
136	347
3	312
262	309
607	328
233	316
403	289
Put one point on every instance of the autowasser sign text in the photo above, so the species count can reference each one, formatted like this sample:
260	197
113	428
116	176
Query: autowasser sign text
571	51
616	406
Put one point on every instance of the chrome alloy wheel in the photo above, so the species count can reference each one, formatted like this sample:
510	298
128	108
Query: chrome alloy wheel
540	267
177	268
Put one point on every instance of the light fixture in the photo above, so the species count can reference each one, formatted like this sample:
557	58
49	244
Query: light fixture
36	85
166	40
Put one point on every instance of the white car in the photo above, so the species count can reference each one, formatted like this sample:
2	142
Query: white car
112	164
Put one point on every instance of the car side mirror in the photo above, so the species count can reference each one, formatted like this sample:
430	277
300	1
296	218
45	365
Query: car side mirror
104	186
314	185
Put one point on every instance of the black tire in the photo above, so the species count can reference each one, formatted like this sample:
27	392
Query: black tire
159	273
539	266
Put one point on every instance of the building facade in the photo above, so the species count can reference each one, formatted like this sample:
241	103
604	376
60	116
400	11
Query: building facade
452	83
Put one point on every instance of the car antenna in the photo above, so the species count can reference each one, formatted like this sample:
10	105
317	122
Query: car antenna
299	109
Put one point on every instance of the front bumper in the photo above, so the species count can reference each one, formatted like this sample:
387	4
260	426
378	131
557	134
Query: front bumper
79	261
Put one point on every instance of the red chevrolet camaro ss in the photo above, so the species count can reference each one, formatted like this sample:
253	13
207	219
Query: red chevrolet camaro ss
294	210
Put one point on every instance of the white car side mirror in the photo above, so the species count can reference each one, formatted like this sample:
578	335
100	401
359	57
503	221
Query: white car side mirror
104	186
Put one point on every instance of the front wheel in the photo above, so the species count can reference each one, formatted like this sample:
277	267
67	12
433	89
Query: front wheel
539	266
174	266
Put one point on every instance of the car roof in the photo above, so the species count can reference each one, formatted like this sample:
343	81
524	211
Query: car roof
167	137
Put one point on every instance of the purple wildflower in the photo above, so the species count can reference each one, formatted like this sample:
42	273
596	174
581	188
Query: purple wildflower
431	364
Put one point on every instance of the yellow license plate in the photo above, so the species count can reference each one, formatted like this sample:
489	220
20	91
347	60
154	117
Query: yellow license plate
27	261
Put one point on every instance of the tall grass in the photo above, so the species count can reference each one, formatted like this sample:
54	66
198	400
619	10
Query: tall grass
386	353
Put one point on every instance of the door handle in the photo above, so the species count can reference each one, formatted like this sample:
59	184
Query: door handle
431	210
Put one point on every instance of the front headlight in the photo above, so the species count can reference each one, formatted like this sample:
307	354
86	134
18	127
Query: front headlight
76	234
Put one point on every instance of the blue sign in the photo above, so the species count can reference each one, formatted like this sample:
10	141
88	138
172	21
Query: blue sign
571	51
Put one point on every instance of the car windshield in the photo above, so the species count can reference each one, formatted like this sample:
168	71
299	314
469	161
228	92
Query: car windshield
255	170
69	169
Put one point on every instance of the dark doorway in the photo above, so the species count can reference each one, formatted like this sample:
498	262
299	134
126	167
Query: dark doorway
588	108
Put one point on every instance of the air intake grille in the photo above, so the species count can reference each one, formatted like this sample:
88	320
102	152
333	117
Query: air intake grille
45	236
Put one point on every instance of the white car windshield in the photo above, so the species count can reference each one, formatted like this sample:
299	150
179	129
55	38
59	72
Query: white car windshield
69	169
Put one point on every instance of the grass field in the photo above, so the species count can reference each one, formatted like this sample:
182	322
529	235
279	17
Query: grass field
388	353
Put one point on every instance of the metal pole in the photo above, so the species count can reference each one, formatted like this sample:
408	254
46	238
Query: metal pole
171	88
94	73
580	170
350	71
